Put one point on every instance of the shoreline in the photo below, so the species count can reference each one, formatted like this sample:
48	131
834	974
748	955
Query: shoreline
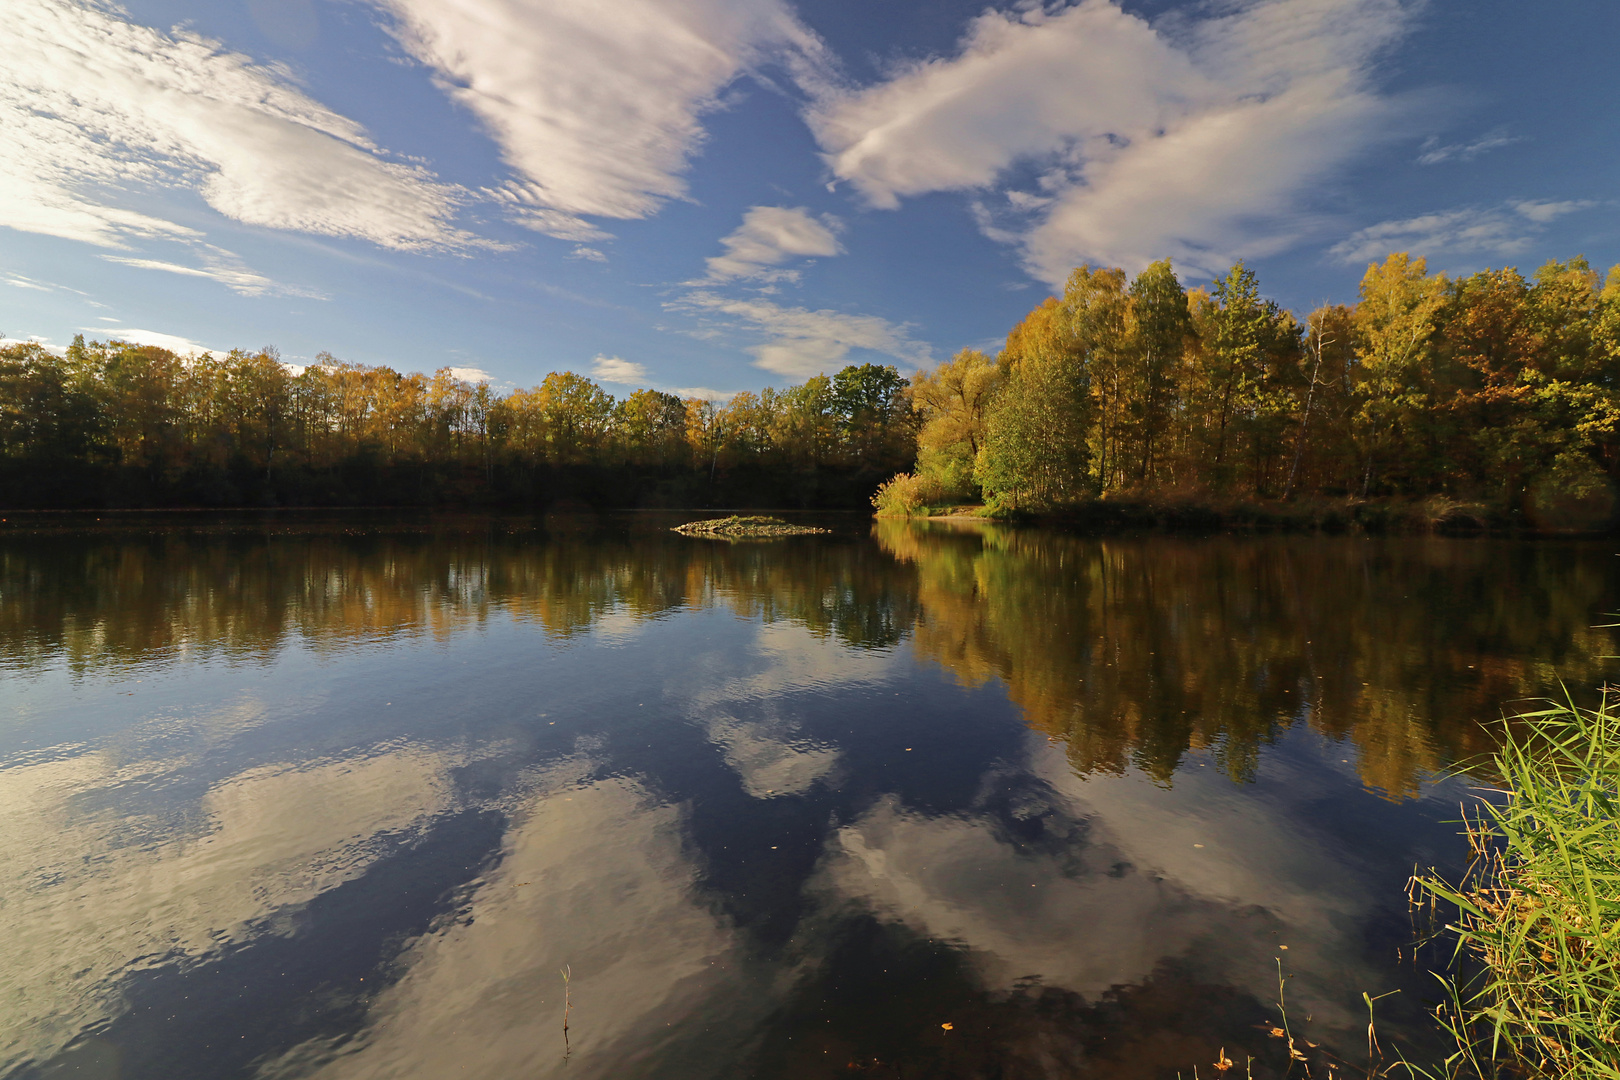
1344	516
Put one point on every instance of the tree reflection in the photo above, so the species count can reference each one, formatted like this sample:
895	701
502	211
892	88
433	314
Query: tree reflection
112	601
1131	652
1135	651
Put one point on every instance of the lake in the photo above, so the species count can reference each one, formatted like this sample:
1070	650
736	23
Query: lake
362	797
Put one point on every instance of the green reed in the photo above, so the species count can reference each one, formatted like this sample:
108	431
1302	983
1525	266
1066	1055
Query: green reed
1538	913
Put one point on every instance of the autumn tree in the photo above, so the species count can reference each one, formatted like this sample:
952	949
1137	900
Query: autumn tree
951	403
1395	327
1159	331
1036	451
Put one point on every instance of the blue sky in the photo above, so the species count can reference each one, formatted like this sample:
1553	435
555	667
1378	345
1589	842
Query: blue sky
714	195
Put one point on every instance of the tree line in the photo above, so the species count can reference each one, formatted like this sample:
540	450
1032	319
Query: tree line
121	424
1491	387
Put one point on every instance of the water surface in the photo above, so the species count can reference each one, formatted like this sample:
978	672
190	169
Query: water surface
327	798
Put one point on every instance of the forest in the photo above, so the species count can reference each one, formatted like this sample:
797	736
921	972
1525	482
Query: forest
116	424
1493	388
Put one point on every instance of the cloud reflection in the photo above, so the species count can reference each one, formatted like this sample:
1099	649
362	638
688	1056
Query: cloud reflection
593	878
98	882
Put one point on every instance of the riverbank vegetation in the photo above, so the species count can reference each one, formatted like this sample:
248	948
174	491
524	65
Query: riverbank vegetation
1493	397
1537	918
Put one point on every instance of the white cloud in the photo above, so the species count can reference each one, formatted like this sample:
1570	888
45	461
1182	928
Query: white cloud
95	108
550	222
1433	153
1542	211
470	374
703	393
1193	139
158	264
803	343
32	339
174	343
1505	230
596	104
21	281
224	267
769	236
589	254
621	372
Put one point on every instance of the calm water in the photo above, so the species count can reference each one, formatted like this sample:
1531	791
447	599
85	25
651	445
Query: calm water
324	799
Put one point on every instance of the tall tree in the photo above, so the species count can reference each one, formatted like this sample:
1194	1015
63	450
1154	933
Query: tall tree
952	402
1395	328
1160	328
1036	451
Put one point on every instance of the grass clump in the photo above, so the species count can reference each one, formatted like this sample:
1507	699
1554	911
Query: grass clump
1538	912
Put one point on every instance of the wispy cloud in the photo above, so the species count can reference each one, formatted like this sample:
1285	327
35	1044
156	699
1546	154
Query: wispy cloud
589	254
1542	211
596	106
1506	230
800	342
224	267
96	107
173	342
22	281
612	369
1195	139
1433	153
770	236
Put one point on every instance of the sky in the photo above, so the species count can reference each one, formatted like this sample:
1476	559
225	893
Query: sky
707	196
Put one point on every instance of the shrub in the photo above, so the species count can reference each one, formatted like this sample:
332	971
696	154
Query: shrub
907	495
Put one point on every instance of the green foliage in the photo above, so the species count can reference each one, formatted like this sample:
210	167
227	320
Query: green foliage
907	495
1160	330
1489	390
951	403
1539	912
1036	453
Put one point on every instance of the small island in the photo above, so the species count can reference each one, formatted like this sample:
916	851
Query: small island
738	527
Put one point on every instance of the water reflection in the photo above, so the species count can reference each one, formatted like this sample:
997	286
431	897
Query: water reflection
1132	652
342	805
1135	651
112	601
